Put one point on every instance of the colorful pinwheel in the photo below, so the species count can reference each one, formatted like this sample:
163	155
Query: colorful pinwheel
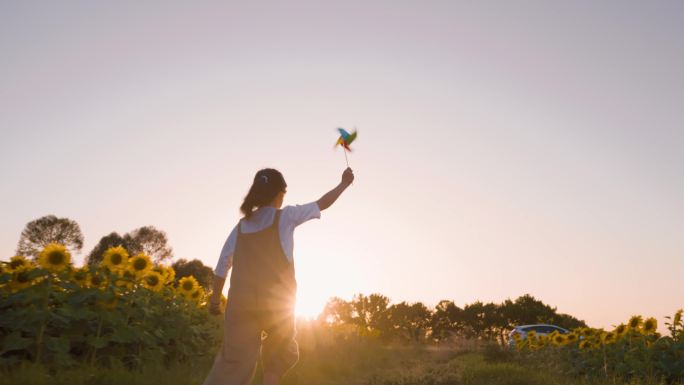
345	140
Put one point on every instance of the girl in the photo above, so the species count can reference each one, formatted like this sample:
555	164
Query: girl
262	290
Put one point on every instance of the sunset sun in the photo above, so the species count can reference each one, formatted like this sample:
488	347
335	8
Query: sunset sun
308	305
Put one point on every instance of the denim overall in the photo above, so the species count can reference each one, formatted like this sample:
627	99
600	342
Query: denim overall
261	298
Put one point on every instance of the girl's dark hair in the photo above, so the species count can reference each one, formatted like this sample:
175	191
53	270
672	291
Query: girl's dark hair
267	183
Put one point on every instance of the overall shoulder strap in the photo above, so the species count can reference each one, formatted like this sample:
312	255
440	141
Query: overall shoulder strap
276	219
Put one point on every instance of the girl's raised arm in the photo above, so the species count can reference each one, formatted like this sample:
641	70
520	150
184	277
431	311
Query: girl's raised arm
331	196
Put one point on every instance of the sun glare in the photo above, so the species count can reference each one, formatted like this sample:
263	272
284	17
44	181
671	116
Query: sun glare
308	307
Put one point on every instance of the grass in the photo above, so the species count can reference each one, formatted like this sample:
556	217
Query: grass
86	375
354	362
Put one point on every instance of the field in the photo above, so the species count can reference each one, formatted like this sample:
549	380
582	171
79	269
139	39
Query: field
130	321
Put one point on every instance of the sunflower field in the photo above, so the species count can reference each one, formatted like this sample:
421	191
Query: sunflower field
127	311
634	350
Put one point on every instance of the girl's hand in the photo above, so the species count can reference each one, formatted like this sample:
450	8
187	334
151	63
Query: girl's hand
348	176
214	306
331	196
215	297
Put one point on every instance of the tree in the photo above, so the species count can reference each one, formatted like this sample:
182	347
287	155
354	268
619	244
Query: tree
150	241
369	313
337	312
146	240
39	233
446	320
408	322
479	319
203	274
568	322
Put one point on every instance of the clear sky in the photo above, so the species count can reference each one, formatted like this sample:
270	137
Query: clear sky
504	147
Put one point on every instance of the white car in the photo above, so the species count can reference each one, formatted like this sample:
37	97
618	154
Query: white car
539	329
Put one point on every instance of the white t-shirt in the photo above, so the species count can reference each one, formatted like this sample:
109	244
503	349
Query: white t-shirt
261	218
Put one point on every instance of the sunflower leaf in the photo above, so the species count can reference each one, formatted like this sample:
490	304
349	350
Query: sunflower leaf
58	344
98	342
81	297
15	341
56	317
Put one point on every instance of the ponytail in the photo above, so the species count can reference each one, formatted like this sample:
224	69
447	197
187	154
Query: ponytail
267	183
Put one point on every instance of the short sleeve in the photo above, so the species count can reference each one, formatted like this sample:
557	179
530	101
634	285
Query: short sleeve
298	214
225	260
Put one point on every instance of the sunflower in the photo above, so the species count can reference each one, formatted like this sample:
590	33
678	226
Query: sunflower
126	280
620	331
139	265
187	285
608	338
114	259
161	269
543	339
534	344
96	280
585	344
54	258
80	276
559	339
677	317
167	273
634	322
170	274
153	281
18	262
650	326
21	279
571	338
197	294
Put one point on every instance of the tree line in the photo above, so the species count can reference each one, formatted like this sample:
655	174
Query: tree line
414	322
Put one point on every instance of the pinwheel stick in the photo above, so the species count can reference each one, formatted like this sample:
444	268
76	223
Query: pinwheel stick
345	140
345	158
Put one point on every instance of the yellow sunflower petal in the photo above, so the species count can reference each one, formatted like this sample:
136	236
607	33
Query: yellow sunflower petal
139	265
153	281
54	258
187	285
115	259
650	326
635	322
80	276
18	262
